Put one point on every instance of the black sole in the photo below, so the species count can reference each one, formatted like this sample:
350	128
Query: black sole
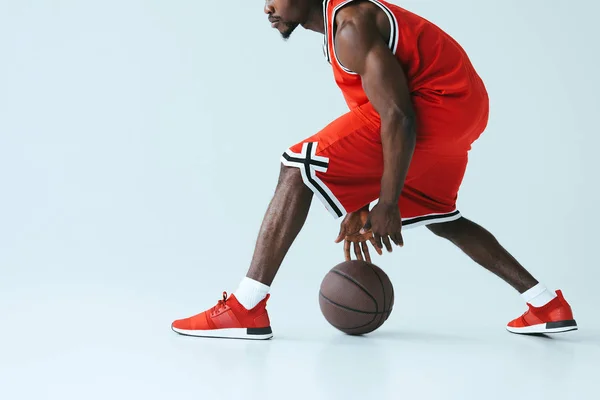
562	324
249	331
259	331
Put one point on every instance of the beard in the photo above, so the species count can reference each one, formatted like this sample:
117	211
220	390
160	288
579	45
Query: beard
290	27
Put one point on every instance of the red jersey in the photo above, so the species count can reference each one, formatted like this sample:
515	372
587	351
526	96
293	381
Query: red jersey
343	163
435	64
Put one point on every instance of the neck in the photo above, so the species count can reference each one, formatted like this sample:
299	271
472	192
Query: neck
315	22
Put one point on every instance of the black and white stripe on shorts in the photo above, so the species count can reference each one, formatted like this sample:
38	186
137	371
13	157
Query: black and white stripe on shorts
309	163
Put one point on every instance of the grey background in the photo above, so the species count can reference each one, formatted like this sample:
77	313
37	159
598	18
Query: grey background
139	147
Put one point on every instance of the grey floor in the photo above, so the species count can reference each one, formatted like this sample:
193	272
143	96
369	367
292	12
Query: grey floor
105	334
134	355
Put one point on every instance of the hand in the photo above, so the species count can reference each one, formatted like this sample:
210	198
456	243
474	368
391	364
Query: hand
350	232
385	222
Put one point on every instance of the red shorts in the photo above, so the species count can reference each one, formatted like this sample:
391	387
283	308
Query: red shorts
343	163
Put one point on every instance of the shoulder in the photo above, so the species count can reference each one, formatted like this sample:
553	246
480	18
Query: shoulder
359	33
360	20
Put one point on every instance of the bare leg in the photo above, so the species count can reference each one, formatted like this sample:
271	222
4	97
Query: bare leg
484	249
283	221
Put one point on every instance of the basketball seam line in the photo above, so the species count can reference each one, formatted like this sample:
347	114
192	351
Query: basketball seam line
364	289
375	313
381	320
347	309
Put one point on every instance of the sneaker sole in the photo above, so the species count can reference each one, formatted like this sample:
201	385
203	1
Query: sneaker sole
229	333
550	327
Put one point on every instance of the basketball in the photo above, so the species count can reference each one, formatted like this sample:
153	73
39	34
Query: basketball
356	297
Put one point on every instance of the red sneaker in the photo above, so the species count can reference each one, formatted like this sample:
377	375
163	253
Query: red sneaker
554	317
228	319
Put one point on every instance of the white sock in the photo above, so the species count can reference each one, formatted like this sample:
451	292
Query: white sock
250	293
538	295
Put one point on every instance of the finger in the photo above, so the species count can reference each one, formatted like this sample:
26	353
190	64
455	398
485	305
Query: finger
365	250
341	235
357	251
347	250
386	242
377	238
377	249
366	227
400	239
395	239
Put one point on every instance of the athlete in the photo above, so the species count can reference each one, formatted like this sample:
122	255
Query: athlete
416	107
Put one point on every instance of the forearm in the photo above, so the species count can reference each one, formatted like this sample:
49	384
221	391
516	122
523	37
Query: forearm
398	139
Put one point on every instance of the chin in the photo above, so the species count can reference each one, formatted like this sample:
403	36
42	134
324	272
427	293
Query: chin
288	31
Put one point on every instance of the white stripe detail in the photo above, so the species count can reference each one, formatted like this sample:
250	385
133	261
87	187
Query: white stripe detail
394	36
325	36
314	156
428	219
333	41
313	170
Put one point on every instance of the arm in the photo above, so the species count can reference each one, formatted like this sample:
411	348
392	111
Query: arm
360	46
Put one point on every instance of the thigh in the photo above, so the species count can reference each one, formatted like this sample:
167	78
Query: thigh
431	189
342	164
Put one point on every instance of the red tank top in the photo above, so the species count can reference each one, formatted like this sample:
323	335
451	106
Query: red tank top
434	63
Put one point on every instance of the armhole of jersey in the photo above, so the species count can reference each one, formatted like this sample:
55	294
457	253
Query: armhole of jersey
392	43
394	35
326	35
